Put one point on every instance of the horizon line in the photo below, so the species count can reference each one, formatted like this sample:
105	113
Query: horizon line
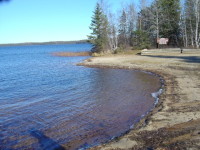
47	42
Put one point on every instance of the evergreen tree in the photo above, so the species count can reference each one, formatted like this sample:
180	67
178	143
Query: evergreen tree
170	10
123	30
161	20
140	39
99	27
105	32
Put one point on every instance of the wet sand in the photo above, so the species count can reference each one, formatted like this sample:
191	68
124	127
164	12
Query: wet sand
175	122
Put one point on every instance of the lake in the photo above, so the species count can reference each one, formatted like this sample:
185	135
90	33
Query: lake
48	102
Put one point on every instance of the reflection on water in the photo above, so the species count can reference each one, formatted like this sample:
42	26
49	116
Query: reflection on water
48	102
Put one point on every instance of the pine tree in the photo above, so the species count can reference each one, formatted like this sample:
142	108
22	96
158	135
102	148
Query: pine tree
123	30
140	39
99	27
170	10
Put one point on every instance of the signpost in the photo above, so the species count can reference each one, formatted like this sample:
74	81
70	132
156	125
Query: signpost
162	41
165	41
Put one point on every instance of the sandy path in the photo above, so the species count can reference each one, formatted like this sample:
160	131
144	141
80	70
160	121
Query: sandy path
175	122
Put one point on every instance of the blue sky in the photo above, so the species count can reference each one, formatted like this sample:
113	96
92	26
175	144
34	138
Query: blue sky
47	20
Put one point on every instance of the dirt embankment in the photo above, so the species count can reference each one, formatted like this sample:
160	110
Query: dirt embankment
175	122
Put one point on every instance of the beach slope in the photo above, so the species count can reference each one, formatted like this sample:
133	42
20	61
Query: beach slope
175	122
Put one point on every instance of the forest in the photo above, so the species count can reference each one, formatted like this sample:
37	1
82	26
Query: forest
139	26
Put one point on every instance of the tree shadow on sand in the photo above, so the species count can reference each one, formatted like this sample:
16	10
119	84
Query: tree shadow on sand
45	142
188	59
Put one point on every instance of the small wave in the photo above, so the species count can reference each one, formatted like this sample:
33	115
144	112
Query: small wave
156	95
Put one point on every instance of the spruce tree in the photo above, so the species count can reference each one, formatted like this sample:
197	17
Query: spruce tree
141	39
170	10
98	26
123	30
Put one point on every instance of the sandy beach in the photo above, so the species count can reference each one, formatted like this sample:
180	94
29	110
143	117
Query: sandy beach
175	122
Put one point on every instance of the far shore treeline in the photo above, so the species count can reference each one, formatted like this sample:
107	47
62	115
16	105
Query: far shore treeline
139	27
46	43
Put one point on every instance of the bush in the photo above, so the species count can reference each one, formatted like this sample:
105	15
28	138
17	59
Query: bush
118	50
140	40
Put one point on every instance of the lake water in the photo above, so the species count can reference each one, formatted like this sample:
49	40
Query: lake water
48	102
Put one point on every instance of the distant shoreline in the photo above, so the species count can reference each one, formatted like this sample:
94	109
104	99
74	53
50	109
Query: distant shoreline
45	43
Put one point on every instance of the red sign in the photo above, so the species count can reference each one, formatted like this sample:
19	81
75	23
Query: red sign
162	41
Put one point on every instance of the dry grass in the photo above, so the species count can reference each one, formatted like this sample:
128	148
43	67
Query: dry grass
129	52
71	54
119	53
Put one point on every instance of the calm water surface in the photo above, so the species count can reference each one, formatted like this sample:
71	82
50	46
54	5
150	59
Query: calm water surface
47	102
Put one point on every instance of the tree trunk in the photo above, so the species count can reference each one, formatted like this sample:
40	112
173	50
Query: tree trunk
191	34
185	32
197	23
157	23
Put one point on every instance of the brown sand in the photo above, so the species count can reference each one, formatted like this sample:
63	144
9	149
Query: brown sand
175	122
